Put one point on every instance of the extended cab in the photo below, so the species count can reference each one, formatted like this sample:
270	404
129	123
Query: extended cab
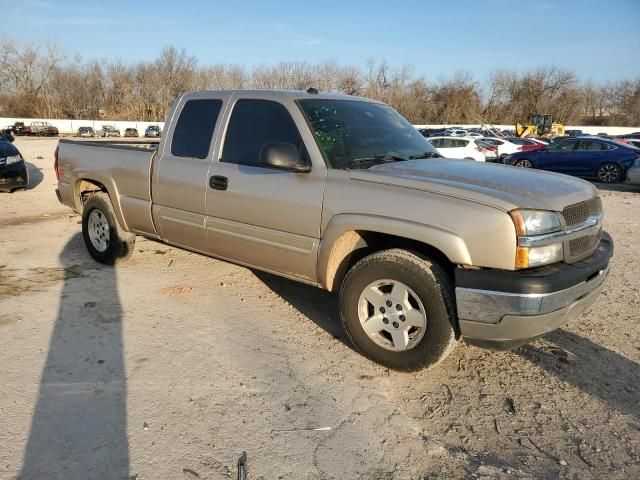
343	193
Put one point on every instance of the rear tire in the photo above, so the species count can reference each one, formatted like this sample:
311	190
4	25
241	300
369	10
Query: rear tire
106	241
381	288
609	173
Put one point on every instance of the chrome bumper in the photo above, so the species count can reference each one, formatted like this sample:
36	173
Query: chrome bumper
505	320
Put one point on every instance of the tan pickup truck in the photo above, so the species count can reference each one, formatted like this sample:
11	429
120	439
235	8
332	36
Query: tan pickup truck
343	193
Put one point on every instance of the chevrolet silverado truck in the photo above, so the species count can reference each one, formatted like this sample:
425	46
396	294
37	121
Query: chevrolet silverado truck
343	193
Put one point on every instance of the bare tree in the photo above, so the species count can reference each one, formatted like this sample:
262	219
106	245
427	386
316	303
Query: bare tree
41	81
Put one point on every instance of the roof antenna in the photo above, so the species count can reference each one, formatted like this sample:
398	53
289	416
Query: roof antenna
312	91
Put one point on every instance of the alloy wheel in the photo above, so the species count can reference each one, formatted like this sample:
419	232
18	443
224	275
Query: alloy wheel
392	315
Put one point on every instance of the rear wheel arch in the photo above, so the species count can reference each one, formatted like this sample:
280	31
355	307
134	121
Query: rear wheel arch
86	187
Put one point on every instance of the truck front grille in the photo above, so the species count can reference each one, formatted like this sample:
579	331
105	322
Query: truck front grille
582	246
579	212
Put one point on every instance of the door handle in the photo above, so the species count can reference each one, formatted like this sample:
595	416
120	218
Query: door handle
218	182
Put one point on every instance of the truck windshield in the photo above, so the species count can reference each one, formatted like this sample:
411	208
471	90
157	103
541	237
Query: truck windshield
353	134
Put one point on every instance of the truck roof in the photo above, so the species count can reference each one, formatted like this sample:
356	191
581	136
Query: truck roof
284	94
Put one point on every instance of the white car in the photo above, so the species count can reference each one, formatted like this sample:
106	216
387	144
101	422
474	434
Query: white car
457	147
504	146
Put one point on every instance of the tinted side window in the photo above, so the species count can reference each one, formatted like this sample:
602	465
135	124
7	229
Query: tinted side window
194	130
436	142
563	146
590	146
253	124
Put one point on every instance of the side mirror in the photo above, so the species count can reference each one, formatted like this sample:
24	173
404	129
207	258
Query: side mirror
283	156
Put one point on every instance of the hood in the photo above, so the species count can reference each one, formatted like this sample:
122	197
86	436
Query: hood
499	186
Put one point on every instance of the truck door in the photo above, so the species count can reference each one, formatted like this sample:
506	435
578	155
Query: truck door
261	216
180	180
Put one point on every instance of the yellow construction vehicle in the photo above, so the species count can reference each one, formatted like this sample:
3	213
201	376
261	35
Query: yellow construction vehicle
540	126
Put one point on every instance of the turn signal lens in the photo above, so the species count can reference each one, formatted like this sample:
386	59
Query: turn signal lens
522	257
529	257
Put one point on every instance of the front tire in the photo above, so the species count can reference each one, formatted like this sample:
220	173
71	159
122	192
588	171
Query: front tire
524	163
397	307
609	173
106	241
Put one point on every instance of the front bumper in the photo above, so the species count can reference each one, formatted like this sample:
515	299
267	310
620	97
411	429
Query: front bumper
14	176
503	310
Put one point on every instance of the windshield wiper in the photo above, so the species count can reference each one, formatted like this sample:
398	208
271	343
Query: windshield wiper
425	155
378	158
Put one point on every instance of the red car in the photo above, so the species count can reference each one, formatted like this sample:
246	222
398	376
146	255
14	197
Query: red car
527	144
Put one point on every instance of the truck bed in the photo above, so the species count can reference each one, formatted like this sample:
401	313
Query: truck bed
122	167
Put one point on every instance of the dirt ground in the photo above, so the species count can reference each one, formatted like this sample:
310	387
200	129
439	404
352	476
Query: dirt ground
172	364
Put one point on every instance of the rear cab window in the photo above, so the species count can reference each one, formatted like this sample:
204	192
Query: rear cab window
193	133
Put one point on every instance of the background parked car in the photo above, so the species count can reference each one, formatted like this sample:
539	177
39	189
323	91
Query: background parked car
634	142
131	132
526	144
13	169
108	131
573	133
42	129
456	147
19	129
633	174
153	131
432	132
85	132
6	135
457	132
588	157
628	135
489	151
504	146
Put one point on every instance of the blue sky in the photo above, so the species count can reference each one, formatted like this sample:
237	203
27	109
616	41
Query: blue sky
597	39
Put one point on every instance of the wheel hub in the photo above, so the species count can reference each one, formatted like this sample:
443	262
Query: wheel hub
98	230
608	173
392	315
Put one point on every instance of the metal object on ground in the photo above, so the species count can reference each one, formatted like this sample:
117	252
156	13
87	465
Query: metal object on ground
242	466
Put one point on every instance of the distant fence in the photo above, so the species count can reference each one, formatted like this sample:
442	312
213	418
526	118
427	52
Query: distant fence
67	127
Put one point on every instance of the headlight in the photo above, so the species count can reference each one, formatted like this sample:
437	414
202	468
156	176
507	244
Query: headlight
535	222
13	159
531	223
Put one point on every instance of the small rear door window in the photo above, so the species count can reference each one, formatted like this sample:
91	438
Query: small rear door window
253	124
194	130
